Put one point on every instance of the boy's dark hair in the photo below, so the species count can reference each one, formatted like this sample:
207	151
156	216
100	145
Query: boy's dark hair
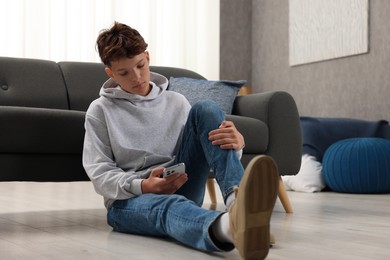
120	41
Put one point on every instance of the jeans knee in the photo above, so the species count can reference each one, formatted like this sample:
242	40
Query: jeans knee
207	108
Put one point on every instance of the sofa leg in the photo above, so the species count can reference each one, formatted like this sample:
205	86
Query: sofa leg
283	197
211	188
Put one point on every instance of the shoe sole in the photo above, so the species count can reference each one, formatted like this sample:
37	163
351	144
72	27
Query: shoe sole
258	192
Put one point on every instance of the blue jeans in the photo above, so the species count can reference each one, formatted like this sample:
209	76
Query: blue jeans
180	215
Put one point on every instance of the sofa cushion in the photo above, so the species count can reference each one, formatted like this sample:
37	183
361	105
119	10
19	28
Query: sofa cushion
222	92
27	130
31	83
83	81
82	93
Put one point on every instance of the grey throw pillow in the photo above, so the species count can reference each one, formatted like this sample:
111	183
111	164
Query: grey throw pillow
222	92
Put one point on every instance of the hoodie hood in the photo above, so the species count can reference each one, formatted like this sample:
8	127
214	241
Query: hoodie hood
111	89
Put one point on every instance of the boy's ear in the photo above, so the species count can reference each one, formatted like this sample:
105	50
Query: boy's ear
109	72
147	56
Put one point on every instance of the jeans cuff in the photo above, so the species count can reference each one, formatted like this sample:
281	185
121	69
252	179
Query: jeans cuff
221	246
229	192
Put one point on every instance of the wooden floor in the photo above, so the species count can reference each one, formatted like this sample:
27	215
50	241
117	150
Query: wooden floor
67	221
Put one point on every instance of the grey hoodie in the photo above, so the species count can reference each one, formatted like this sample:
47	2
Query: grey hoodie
127	135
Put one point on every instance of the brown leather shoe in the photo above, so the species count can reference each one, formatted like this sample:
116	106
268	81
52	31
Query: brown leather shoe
251	212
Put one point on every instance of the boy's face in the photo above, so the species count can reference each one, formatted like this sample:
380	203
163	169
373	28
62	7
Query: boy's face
132	74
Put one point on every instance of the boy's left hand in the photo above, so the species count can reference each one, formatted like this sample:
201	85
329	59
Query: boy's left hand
227	136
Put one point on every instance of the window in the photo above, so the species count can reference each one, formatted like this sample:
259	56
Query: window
180	33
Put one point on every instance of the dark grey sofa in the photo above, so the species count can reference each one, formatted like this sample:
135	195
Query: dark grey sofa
43	104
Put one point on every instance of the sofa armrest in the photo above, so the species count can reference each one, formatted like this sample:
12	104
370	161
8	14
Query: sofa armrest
278	110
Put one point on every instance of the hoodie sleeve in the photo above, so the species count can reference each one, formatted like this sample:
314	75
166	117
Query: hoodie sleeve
109	180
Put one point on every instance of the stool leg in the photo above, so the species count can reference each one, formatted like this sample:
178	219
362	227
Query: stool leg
211	188
283	197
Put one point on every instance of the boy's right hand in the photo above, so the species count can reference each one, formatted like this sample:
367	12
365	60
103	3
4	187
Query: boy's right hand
156	184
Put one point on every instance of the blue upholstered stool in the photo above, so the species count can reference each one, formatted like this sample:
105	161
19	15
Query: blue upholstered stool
358	165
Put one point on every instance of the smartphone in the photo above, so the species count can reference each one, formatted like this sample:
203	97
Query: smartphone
177	168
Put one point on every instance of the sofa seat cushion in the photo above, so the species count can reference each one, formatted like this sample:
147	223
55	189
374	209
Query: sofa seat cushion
358	165
22	132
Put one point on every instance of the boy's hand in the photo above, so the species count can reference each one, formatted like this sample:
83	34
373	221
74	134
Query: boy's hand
156	184
227	136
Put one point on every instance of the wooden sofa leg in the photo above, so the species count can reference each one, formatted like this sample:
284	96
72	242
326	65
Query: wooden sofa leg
211	189
283	197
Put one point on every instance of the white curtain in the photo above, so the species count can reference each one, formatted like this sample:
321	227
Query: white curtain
180	33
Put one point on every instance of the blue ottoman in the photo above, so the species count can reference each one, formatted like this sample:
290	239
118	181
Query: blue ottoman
358	165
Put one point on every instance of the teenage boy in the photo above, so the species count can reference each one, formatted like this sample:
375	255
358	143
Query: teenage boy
137	128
